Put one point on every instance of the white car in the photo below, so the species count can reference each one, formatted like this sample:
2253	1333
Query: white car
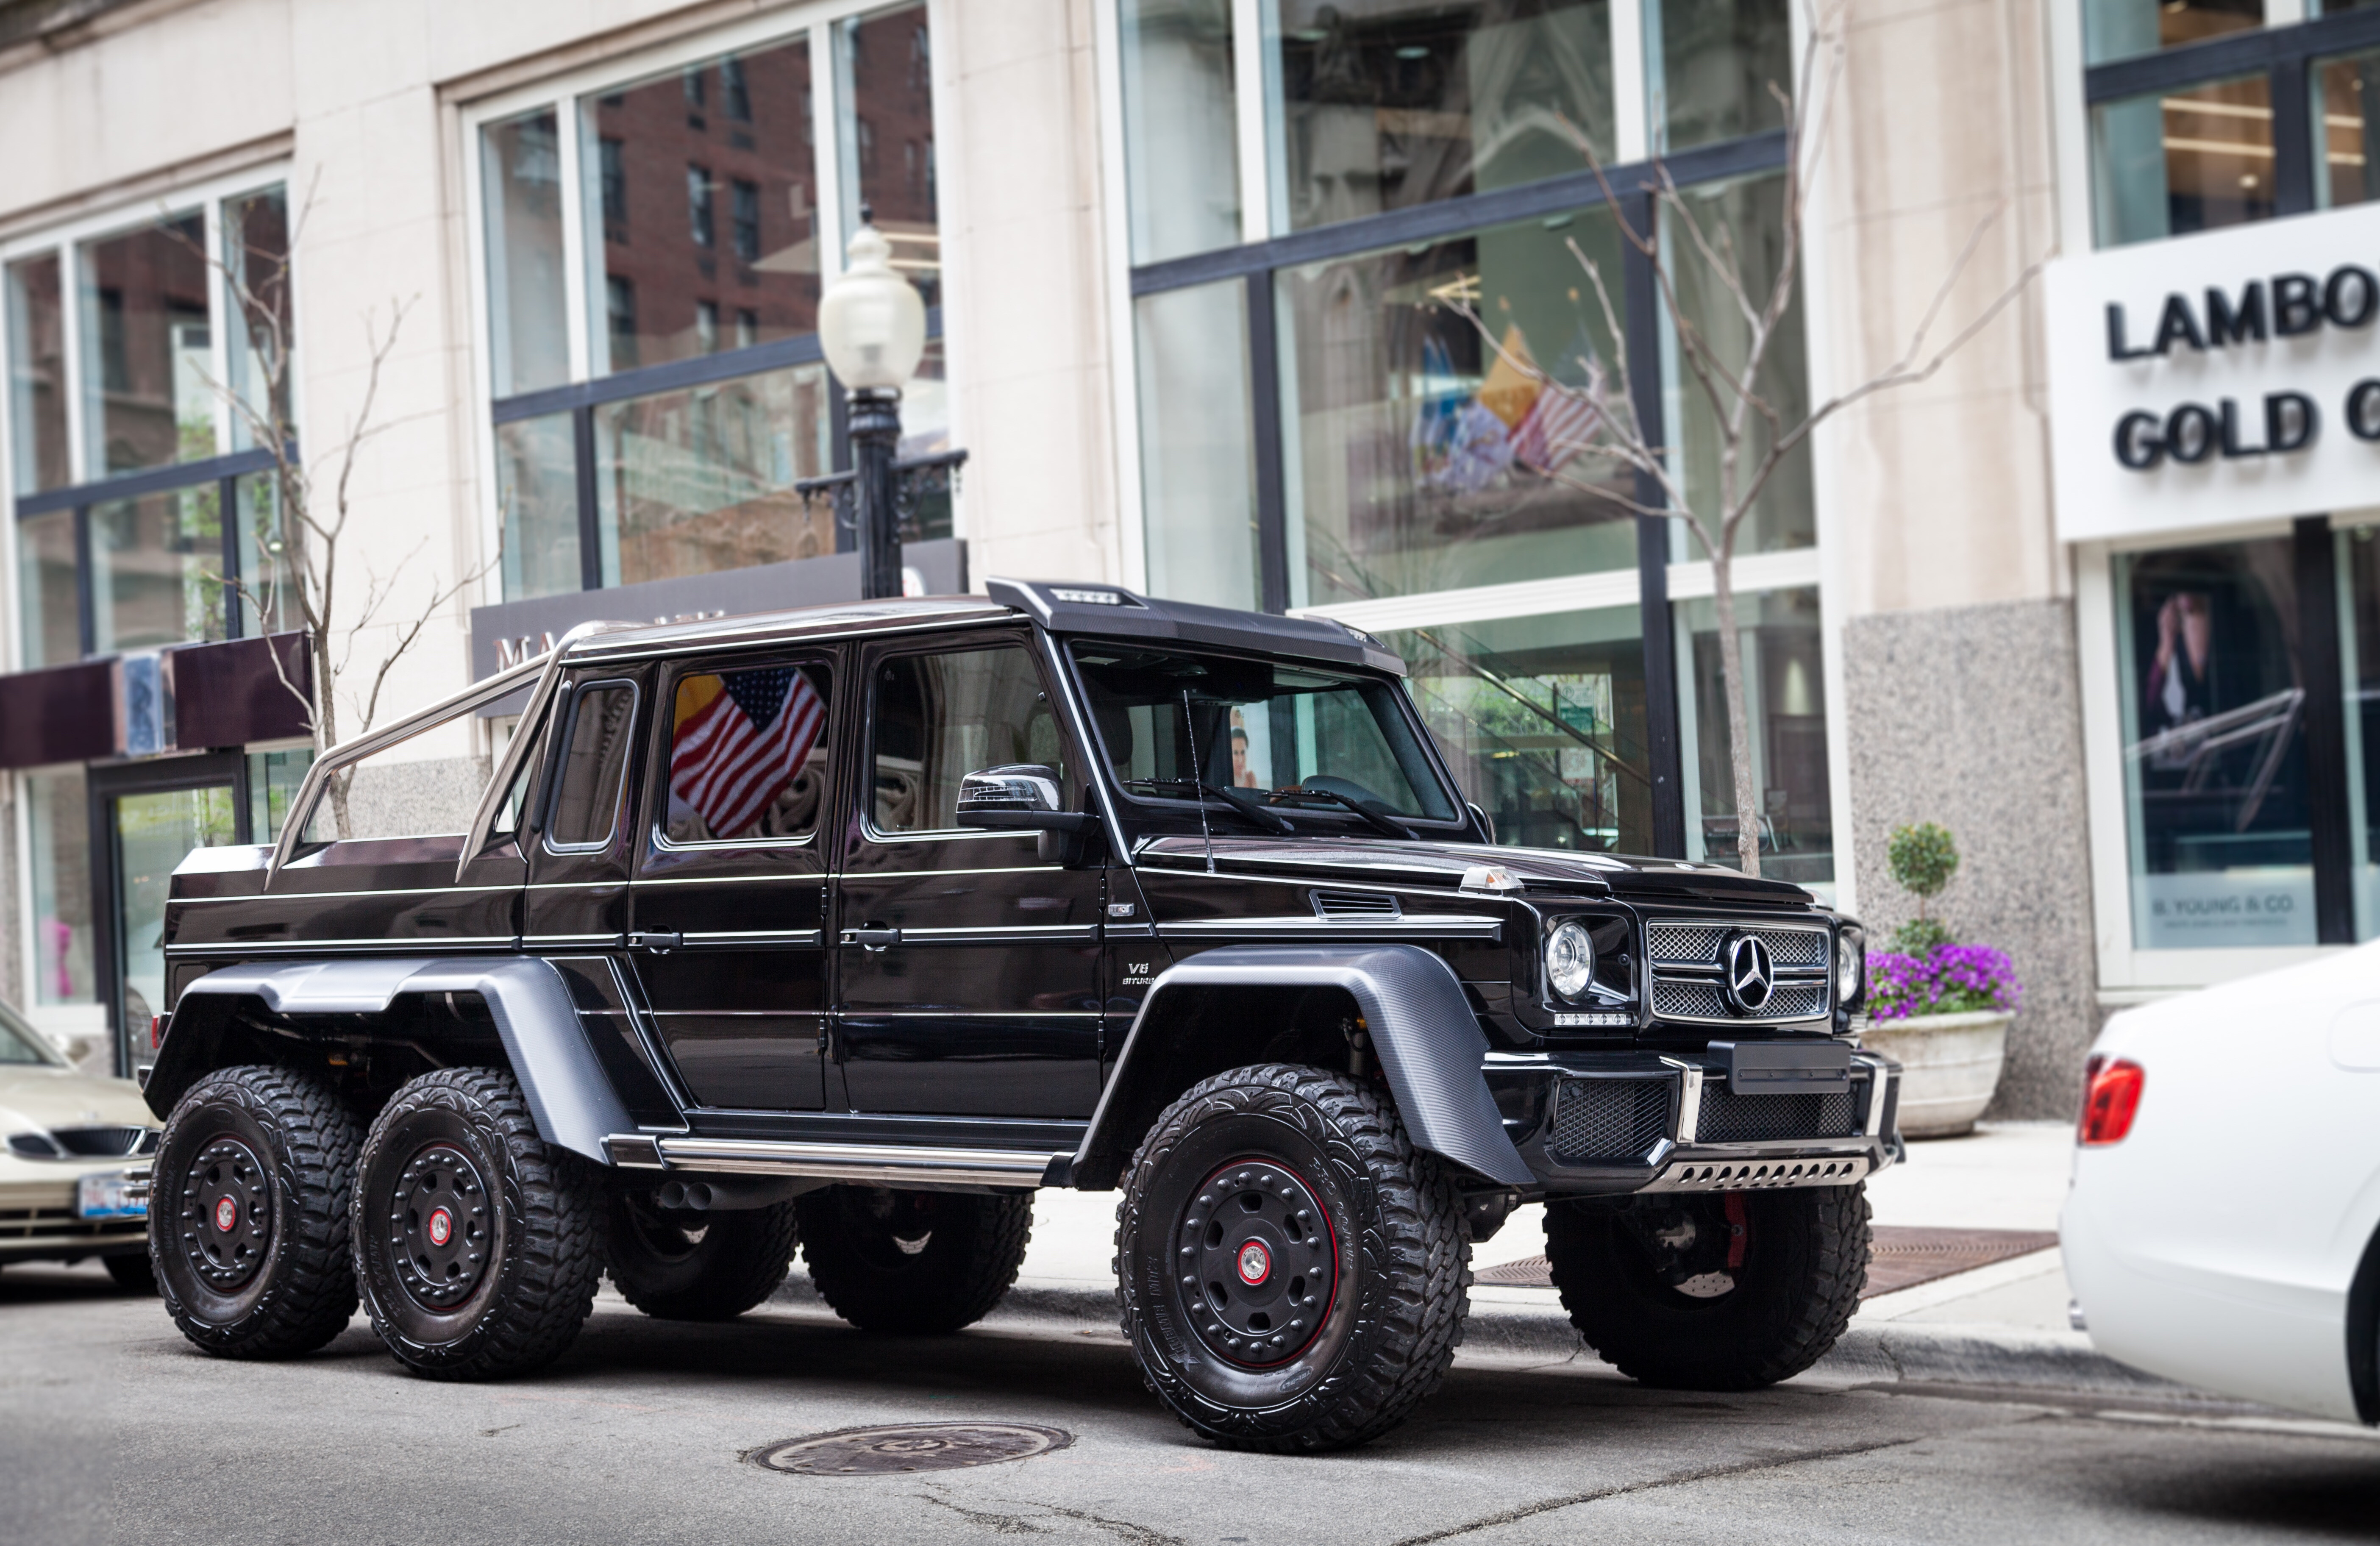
2221	1226
66	1140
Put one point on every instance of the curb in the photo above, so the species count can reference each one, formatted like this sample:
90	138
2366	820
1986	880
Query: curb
1519	1333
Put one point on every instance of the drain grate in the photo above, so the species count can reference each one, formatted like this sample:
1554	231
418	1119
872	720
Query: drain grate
921	1446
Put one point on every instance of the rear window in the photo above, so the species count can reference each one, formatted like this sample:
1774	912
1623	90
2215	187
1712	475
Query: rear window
594	766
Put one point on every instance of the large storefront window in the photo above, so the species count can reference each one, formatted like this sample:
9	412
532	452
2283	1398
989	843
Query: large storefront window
2214	762
1722	62
148	400
1179	103
1543	719
2126	28
2173	162
693	393
1784	681
61	870
1422	455
37	374
1198	463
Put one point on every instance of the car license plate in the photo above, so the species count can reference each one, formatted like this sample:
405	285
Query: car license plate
102	1197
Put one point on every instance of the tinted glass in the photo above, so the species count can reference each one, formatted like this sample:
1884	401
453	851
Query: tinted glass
2123	28
157	571
49	605
37	374
698	481
941	717
1721	62
1390	104
147	354
1785	700
594	761
1181	163
701	192
256	263
747	753
2177	161
2215	760
1198	455
537	489
520	173
1422	455
1167	720
888	138
154	833
2348	135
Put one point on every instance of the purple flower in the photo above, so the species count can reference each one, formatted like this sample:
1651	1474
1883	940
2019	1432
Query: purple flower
1948	980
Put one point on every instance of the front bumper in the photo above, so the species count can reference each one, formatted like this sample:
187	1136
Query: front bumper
1609	1123
40	1221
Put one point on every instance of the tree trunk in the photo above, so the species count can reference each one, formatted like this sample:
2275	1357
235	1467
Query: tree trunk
1739	720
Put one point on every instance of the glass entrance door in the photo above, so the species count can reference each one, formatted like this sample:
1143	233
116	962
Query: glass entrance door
153	833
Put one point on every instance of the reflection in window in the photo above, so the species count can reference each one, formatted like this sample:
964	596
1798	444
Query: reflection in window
2350	137
694	481
1722	62
272	781
2358	624
748	754
48	602
888	138
941	717
1543	722
594	763
269	601
2214	762
157	568
2127	29
537	492
37	374
2170	163
62	912
1785	699
1198	463
1182	167
154	833
1390	104
1751	216
257	311
1421	457
147	389
521	178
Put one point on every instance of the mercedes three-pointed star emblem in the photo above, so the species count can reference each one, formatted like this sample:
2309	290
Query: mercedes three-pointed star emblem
1749	978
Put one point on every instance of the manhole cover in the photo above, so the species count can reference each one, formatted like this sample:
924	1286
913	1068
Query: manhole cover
923	1446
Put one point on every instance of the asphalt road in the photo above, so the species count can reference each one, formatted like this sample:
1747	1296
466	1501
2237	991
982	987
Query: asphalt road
113	1429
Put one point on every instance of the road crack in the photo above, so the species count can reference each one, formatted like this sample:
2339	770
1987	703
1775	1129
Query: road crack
1706	1473
998	1524
1016	1524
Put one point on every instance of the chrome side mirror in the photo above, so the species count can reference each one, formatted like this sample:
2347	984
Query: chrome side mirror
1026	796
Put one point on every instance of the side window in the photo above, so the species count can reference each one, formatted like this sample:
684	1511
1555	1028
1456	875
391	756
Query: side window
594	763
747	753
941	717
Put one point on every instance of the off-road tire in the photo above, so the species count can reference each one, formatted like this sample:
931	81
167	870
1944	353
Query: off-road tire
710	1266
133	1272
962	1262
1804	1264
1399	1254
466	1135
304	1142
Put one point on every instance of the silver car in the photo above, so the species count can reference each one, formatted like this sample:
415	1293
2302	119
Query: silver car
66	1143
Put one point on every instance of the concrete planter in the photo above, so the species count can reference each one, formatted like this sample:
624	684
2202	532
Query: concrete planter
1950	1066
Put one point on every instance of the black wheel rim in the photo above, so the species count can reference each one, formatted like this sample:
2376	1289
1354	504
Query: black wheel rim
1257	1262
439	1228
227	1214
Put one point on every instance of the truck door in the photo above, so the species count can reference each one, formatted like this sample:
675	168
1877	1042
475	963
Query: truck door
968	966
727	908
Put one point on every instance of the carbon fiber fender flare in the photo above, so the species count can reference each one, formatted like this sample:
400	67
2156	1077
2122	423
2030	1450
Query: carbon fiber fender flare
573	1104
1420	1023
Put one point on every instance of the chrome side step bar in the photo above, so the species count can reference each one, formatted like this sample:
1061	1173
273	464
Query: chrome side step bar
877	1165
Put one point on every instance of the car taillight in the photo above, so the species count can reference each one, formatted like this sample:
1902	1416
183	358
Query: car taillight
156	1031
2111	1096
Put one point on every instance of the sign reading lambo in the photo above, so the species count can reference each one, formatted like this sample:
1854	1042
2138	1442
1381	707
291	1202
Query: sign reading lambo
2224	377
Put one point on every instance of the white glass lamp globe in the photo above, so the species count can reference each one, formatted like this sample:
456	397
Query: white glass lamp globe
872	322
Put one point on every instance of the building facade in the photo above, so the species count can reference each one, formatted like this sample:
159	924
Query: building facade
1226	299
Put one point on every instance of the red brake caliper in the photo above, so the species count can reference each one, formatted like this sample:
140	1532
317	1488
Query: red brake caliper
1735	1230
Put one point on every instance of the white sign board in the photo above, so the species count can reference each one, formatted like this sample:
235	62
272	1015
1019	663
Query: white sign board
2230	376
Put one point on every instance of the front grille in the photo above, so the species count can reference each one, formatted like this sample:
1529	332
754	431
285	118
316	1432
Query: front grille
1609	1121
1686	958
1727	1117
99	1143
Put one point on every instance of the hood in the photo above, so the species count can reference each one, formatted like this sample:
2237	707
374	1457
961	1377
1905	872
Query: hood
1546	870
47	1098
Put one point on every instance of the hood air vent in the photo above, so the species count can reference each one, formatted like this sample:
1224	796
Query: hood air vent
1367	906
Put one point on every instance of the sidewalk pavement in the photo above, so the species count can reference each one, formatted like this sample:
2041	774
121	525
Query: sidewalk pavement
2002	1324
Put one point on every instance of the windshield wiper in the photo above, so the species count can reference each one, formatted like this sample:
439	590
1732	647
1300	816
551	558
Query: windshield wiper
1380	821
1234	799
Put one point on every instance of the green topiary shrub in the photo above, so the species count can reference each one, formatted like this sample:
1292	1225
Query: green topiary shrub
1922	859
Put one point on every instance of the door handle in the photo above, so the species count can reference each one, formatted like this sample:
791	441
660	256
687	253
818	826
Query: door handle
873	939
660	945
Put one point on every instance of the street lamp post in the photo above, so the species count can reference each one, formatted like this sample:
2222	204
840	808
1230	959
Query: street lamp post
872	327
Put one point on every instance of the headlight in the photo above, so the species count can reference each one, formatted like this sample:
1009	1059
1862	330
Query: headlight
1569	959
1850	964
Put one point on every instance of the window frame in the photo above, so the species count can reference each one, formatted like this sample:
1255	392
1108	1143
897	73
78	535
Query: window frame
83	491
819	26
550	797
664	738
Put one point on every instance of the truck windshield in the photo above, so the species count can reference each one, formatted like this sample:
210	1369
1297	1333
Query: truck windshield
1292	736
